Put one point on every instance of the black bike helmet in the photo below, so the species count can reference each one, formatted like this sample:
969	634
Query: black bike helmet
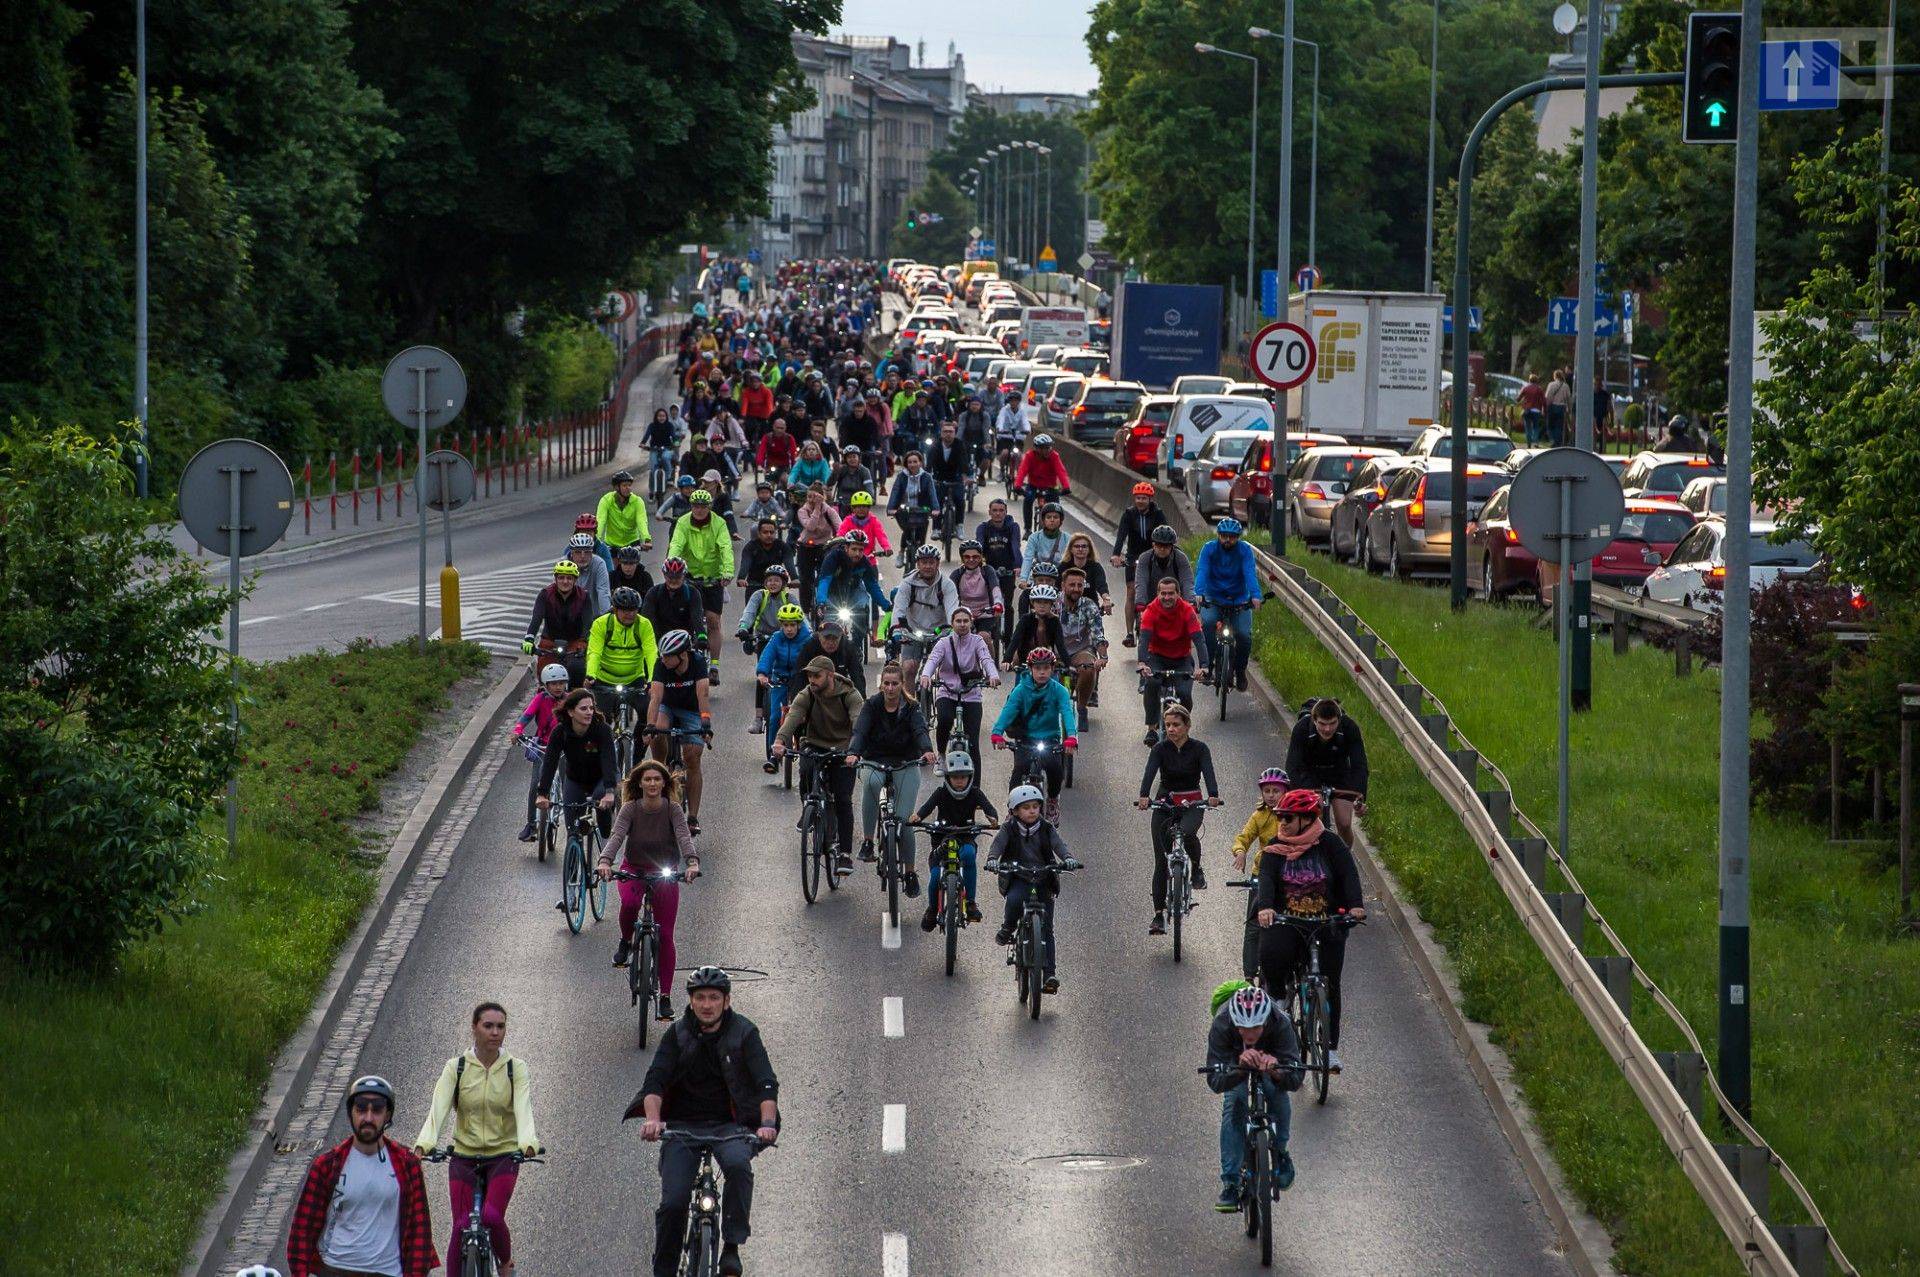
1053	507
371	1084
1164	535
622	476
628	554
709	978
626	598
970	544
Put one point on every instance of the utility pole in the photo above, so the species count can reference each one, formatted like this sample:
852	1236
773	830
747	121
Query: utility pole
1283	254
141	464
1433	118
1585	386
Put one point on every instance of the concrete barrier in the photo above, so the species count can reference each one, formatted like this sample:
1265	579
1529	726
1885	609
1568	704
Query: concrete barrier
1105	486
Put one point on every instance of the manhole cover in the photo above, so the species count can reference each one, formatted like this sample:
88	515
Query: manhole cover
1086	1162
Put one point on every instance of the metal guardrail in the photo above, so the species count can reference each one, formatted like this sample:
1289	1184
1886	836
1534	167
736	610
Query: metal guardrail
1731	1179
1625	615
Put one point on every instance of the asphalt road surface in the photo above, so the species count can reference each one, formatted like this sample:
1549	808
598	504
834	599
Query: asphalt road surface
927	1119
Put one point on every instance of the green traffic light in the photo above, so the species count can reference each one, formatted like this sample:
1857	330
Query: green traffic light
1716	111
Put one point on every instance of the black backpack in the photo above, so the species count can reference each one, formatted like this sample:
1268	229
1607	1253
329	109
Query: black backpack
460	1066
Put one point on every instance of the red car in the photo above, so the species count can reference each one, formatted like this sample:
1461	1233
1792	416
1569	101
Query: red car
1136	444
1495	557
1649	530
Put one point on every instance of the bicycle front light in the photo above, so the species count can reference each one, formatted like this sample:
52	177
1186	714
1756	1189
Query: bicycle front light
707	1202
844	615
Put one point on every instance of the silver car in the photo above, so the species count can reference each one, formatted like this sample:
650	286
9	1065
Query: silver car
1209	477
1316	481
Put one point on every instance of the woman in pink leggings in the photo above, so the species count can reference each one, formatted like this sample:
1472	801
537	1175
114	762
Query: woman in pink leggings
651	830
490	1095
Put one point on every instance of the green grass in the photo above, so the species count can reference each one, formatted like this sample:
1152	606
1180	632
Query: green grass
1836	987
126	1096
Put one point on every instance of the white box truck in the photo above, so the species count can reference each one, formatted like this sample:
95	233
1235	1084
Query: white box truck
1053	326
1377	377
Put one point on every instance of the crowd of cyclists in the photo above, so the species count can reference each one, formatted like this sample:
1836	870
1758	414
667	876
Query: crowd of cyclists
878	588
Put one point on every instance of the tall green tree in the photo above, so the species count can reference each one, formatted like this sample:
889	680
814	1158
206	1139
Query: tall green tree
941	238
980	130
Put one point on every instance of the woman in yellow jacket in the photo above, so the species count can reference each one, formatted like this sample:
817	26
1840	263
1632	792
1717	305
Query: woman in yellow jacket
1262	827
490	1095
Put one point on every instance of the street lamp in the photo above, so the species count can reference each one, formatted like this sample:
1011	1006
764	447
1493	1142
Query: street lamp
1002	195
987	218
1253	153
1313	161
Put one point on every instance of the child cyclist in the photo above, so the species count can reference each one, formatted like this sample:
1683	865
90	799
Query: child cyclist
1262	827
1028	839
956	802
543	711
779	664
1039	714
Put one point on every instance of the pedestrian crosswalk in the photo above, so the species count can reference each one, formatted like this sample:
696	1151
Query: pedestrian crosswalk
494	605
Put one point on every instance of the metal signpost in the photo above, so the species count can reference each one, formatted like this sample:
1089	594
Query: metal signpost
1565	505
423	386
1281	355
449	485
236	499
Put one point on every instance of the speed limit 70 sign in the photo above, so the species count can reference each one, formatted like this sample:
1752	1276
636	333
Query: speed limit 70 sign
1283	355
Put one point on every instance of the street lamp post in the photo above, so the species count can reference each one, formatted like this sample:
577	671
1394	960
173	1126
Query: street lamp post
1313	160
1433	108
1253	153
1000	191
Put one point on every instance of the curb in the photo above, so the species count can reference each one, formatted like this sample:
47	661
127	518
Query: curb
294	1066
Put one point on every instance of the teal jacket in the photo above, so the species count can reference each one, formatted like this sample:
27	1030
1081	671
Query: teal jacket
1037	713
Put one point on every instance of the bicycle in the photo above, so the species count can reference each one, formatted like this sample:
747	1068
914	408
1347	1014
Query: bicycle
1179	872
1257	1189
1035	754
580	888
1037	496
817	828
893	864
950	886
677	737
1306	1000
897	639
476	1244
545	821
625	722
1028	957
700	1253
1168	687
1224	643
643	968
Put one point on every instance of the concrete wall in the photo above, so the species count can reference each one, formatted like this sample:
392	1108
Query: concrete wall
1106	487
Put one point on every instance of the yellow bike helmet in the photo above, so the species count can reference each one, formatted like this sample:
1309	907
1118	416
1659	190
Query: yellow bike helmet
862	498
566	567
790	612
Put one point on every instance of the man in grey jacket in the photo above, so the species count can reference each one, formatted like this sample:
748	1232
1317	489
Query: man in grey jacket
1163	558
593	573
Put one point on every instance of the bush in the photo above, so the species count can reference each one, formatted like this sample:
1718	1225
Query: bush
1864	695
571	366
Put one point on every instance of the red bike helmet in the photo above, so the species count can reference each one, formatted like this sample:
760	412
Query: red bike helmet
1143	489
1300	802
1041	656
586	523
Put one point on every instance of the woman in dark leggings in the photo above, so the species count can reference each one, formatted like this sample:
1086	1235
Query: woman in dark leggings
1306	872
584	744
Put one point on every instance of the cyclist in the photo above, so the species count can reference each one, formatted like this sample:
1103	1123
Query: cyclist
1227	577
620	650
703	543
628	571
721	491
623	515
677	700
815	523
1047	543
700	458
1135	538
1164	557
977	586
543	713
590	524
1029	838
922	602
592	571
850	581
1251	1034
811	468
850	477
1326	752
1009	427
1263	825
682	499
581	752
860	518
490	1095
1083	638
760	621
363	1205
652	831
956	801
954	669
674	604
1169	640
821	715
1039	628
1000	541
558	627
950	462
711	1075
1039	711
1306	872
890	731
756	403
767	506
661	439
1042	470
830	640
914	498
1181	764
780	663
776	451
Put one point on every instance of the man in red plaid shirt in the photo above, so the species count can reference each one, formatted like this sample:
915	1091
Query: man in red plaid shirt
363	1209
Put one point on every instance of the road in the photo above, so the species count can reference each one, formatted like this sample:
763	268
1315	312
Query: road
1403	1171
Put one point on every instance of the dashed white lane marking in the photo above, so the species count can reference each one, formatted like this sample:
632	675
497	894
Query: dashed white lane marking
256	620
321	607
893	1128
889	932
893	1255
893	1017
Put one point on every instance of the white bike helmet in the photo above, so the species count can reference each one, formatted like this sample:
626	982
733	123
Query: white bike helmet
674	641
1250	1007
580	541
1043	594
258	1270
555	673
1025	794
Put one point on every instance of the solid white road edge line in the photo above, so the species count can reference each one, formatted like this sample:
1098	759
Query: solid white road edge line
893	1017
893	1128
893	1255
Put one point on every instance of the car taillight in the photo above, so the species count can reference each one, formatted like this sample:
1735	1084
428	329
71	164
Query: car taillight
1715	579
1142	432
1222	474
1417	509
1031	397
1081	411
1266	461
1699	463
1260	484
1179	445
1313	490
1513	538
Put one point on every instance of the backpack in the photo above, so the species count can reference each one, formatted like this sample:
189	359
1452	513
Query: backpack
460	1066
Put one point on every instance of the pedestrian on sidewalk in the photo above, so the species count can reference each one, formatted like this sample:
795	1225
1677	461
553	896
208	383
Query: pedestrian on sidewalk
1533	409
1559	399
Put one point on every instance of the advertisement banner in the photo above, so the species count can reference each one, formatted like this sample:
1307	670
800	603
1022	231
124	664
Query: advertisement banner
1164	331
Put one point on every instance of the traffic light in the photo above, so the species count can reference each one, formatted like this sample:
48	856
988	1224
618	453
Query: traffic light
1710	105
913	220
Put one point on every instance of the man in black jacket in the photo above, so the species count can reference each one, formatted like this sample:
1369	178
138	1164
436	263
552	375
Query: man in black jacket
1250	1033
711	1077
1326	752
1134	539
830	641
891	732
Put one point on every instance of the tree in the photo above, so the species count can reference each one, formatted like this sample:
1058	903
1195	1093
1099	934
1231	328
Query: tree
112	719
979	130
941	237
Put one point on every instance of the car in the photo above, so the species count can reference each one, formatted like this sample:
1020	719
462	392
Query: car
1209	477
1495	557
1482	444
1666	473
1251	497
1051	416
1101	408
1044	354
1412	527
976	287
1136	444
1013	376
1505	387
1368	489
1705	495
1201	384
1086	362
1038	386
1316	481
1252	390
1694	574
1512	462
975	363
1196	417
1649	531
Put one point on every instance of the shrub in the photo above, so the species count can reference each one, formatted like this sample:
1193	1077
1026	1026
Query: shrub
570	368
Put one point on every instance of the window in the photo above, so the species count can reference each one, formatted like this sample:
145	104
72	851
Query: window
1325	468
1654	525
1694	547
1496	506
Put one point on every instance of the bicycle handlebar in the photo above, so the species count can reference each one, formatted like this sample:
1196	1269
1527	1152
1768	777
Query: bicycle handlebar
682	1133
1033	871
1167	804
705	734
517	1157
865	763
938	828
672	875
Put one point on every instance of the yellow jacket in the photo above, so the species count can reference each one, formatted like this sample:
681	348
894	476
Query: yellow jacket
1262	827
495	1110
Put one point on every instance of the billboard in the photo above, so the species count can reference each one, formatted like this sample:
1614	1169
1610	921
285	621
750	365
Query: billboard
1164	331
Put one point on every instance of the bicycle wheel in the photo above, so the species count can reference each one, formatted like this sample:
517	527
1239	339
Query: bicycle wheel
951	887
547	836
890	867
1177	904
596	889
1263	1197
644	979
1317	1030
826	838
1036	979
573	886
476	1260
810	854
703	1261
1222	677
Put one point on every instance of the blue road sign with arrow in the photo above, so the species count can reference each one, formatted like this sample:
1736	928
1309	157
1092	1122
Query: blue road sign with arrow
1446	319
1563	315
1799	75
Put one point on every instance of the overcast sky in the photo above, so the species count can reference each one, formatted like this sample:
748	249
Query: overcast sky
1021	45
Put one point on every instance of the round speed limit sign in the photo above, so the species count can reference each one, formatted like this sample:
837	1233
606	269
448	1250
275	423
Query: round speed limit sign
1283	355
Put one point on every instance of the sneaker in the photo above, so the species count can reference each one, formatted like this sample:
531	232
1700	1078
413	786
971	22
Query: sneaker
730	1260
1333	1061
713	675
1199	877
769	767
1003	936
1127	641
693	827
1283	1172
912	885
1053	811
1052	985
758	725
930	919
526	832
663	1008
1151	739
623	954
974	914
1158	927
866	850
1240	680
1228	1203
843	865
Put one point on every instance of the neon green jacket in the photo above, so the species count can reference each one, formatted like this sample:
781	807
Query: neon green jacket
708	551
626	526
902	401
619	653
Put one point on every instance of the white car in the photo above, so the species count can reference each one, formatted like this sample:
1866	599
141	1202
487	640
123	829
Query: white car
1705	495
1491	446
1200	384
1209	478
1695	573
1197	417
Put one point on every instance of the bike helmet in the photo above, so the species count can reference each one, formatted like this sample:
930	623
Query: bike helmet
1300	802
626	599
586	523
709	978
1046	567
959	763
1041	656
927	552
1250	1007
1043	441
1229	527
1052	507
790	612
675	641
258	1270
622	476
555	673
970	544
628	554
580	541
765	485
1043	594
1164	535
1143	489
371	1084
1273	776
1025	794
684	481
711	476
566	567
701	497
862	499
674	567
857	538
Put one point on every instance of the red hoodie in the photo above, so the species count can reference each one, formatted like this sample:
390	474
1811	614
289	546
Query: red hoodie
756	401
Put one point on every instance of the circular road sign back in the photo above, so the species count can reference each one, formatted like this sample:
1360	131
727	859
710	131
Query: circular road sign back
449	480
266	496
1283	355
446	386
1596	505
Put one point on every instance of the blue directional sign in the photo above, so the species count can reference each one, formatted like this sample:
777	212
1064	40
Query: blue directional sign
1446	319
1799	75
753	254
1563	314
1270	293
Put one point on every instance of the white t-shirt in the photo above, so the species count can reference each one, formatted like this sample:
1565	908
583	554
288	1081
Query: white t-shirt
363	1220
